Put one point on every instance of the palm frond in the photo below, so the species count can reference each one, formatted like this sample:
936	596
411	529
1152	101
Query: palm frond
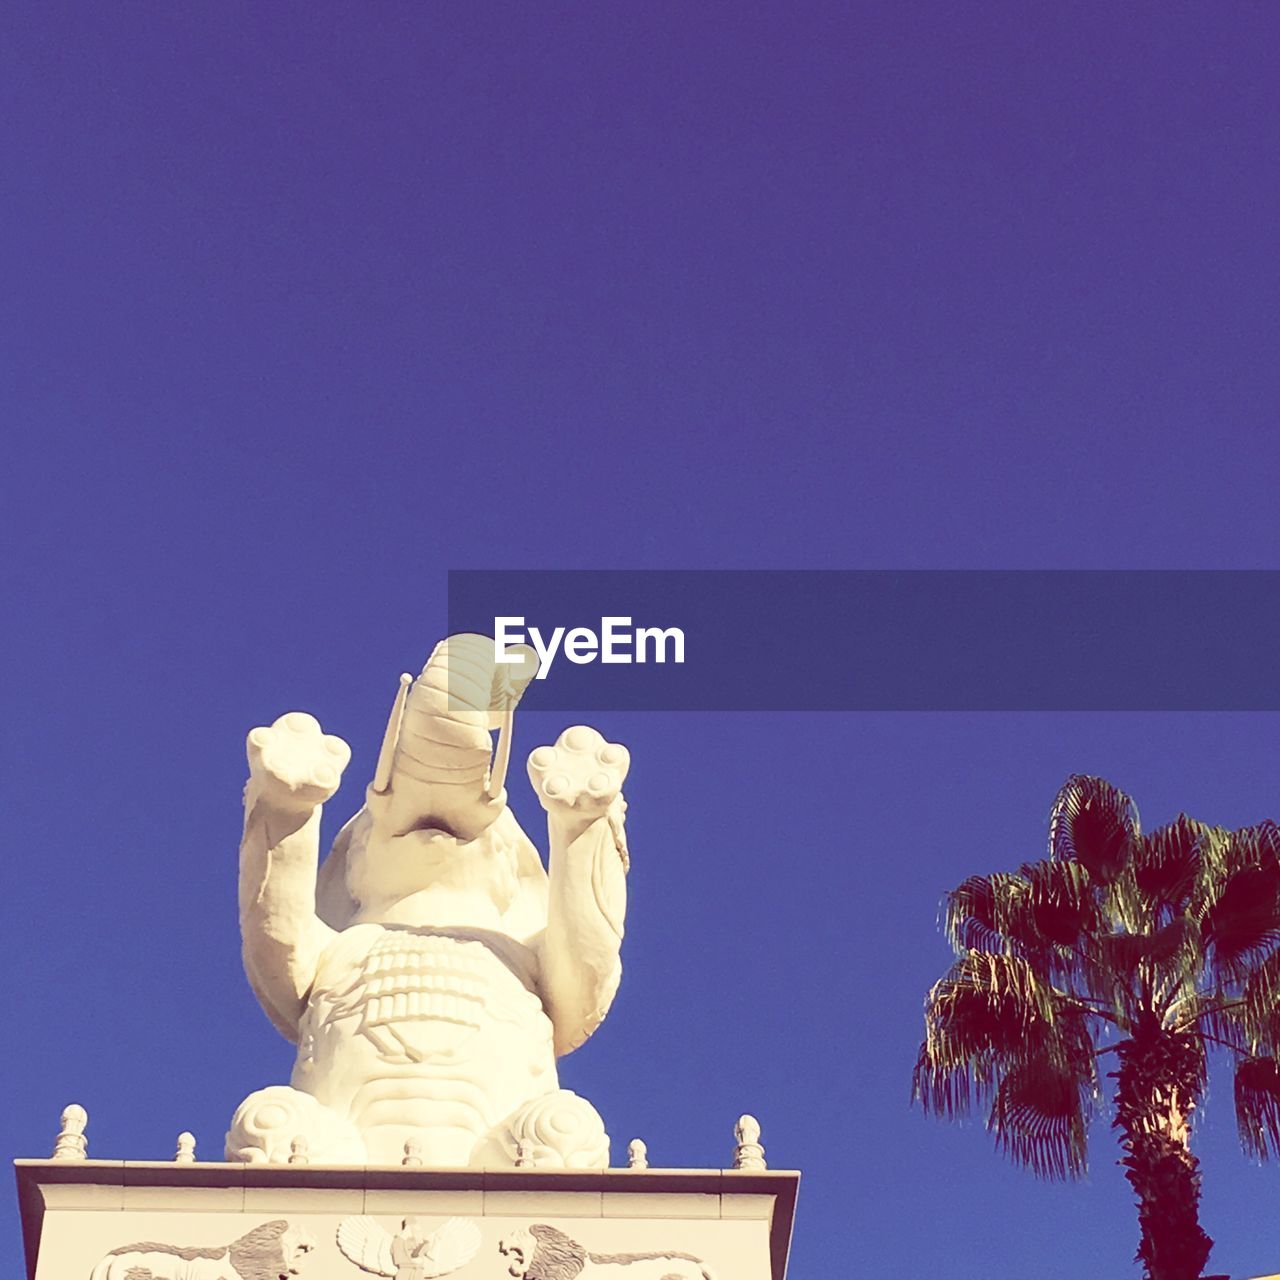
1061	901
1166	863
1257	1093
1258	1009
987	1015
1095	824
1242	924
1224	852
985	1005
1124	954
1005	978
1040	1118
1136	974
979	913
948	1083
1219	1020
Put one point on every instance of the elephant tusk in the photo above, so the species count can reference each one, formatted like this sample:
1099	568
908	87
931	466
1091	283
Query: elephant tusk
507	687
382	774
502	756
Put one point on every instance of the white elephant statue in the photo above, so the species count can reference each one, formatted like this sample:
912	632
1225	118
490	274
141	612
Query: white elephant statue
431	971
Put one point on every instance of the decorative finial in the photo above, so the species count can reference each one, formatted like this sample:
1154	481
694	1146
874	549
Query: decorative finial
300	1151
71	1143
749	1154
413	1153
523	1159
637	1154
186	1153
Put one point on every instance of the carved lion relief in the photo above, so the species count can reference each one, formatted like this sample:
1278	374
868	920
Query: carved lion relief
546	1253
273	1251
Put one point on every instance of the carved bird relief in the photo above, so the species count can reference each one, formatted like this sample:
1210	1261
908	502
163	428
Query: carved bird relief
413	1253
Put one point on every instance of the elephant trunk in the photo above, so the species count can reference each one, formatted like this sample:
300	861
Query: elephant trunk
438	752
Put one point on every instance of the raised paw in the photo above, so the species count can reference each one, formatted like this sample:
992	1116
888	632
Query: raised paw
582	773
294	763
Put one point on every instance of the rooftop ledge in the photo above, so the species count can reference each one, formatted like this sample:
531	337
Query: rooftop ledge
81	1193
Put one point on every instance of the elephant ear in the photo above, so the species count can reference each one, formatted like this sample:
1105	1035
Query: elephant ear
527	914
334	903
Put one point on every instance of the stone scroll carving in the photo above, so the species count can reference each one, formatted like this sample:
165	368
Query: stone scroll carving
272	1251
545	1253
431	970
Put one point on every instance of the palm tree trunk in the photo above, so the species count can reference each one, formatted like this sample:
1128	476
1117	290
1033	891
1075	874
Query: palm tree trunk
1159	1079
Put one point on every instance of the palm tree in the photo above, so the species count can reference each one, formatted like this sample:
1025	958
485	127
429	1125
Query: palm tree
1142	950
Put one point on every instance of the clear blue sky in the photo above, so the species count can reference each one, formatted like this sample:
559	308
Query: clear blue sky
304	305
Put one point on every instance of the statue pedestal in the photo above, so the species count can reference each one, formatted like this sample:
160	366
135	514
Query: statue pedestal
137	1220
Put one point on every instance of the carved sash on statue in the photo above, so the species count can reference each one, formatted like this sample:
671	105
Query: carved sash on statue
431	971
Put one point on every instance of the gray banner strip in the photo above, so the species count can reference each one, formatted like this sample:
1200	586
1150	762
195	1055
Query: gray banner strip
912	640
